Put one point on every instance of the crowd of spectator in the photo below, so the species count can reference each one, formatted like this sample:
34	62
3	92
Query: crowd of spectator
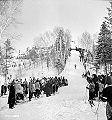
34	87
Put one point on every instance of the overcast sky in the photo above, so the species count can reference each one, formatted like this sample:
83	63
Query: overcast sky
78	16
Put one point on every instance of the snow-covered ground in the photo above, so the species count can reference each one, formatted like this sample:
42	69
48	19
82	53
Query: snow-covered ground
69	104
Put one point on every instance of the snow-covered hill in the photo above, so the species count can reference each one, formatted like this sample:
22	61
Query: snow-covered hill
69	104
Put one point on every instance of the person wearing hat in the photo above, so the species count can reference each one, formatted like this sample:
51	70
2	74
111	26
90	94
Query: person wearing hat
107	97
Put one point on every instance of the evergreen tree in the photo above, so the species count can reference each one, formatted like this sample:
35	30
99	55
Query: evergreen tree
104	49
109	22
109	18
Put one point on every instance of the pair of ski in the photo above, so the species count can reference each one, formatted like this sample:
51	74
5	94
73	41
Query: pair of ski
93	108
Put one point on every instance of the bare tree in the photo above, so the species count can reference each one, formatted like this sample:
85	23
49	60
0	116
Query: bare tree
44	40
85	41
8	14
53	48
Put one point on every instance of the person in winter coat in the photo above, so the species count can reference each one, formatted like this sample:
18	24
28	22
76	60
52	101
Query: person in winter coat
88	79
47	89
37	89
107	92
19	91
75	66
103	79
11	98
95	80
2	90
31	89
25	87
91	88
101	87
5	87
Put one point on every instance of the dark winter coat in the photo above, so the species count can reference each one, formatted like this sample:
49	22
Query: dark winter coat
107	92
11	98
31	87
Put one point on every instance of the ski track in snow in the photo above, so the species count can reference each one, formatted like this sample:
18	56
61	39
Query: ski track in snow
70	103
